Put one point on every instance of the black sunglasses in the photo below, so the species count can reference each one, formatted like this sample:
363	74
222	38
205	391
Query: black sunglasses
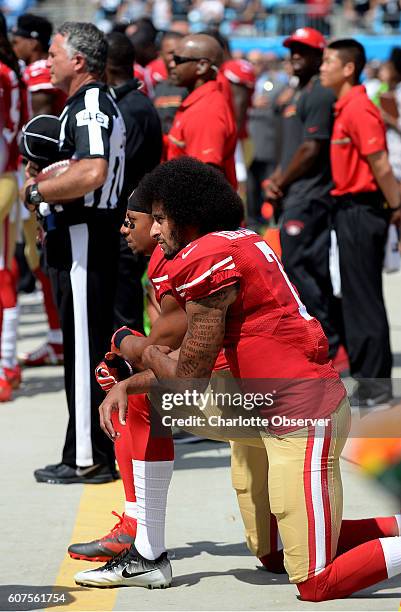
129	224
181	59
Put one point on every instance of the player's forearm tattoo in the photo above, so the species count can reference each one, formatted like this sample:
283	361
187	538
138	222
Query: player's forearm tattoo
205	334
140	382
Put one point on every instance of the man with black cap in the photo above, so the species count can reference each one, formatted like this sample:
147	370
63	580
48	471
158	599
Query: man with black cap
31	41
303	180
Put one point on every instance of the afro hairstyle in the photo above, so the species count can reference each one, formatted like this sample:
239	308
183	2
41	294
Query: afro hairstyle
193	194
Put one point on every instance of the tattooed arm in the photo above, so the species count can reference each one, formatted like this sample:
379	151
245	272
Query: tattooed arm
202	342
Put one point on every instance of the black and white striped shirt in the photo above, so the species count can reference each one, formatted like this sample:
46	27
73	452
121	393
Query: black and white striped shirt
92	127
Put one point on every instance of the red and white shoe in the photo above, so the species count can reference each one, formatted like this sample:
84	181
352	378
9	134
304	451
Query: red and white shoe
13	375
47	354
119	539
5	390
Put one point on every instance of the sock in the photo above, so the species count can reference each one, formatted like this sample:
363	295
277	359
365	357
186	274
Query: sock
50	307
356	569
151	440
9	337
356	532
152	480
392	555
130	509
274	560
123	452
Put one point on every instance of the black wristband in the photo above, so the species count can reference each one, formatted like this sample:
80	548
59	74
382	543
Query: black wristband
120	335
396	208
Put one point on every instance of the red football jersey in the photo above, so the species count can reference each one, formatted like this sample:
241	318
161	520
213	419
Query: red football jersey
14	116
158	274
269	334
37	78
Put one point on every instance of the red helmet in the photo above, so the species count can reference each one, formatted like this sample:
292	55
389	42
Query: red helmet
306	36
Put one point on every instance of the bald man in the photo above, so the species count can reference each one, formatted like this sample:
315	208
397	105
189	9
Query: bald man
204	126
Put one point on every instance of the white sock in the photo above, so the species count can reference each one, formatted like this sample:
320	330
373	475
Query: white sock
9	337
392	555
130	509
55	336
398	519
152	480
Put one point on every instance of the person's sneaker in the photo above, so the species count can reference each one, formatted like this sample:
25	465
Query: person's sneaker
60	473
129	569
118	540
46	354
6	390
13	375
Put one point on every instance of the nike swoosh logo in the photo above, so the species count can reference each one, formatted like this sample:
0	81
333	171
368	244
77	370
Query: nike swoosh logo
128	575
84	471
184	255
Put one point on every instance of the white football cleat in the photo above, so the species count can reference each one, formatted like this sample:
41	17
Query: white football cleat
129	569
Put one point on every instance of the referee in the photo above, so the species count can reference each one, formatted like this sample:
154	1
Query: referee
82	242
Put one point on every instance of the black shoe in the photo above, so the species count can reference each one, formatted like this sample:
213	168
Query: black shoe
60	473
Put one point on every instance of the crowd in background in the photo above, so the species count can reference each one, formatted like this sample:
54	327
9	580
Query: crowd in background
250	17
240	17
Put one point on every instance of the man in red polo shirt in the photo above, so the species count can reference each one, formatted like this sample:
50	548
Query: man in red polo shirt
363	183
204	125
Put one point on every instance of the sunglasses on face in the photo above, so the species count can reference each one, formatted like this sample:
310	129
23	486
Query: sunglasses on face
181	59
129	224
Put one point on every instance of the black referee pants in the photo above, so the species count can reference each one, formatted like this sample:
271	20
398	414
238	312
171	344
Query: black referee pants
83	262
305	242
361	224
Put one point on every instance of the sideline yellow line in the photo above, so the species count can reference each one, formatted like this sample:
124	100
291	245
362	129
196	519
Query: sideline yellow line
93	520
